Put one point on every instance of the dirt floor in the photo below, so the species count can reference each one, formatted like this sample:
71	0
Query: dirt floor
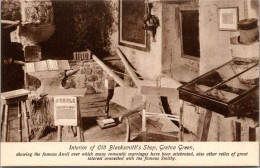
91	109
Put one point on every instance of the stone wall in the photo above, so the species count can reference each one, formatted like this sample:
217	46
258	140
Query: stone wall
90	76
10	10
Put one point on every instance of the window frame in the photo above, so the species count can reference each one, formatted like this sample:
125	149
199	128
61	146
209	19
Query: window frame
181	36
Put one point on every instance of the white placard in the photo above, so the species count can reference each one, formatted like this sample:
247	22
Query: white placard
65	111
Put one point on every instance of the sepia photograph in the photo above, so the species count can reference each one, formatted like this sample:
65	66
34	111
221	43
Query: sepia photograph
121	71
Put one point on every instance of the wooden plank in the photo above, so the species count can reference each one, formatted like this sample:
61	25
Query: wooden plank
14	100
109	72
26	124
158	91
20	121
128	68
15	93
206	125
111	58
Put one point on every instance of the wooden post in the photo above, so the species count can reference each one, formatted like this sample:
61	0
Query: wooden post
29	110
2	116
20	121
80	123
26	125
79	127
5	123
59	134
127	138
74	130
206	125
238	131
143	114
181	138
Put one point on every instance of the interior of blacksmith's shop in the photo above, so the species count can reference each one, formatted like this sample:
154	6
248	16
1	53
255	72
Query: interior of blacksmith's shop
134	71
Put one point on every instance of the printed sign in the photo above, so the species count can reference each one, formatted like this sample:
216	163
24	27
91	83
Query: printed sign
65	111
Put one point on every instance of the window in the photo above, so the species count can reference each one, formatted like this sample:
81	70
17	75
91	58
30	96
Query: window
190	34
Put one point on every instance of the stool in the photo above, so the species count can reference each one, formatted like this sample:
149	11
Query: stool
17	96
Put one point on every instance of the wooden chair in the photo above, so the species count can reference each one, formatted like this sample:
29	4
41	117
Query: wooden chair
145	136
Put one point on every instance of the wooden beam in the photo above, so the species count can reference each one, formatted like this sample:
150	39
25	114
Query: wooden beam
129	68
10	22
110	72
206	125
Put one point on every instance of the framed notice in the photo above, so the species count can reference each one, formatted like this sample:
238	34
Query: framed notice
131	21
228	18
65	111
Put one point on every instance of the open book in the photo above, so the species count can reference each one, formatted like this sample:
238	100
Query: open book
47	65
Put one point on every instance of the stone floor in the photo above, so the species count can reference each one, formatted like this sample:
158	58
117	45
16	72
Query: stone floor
91	108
